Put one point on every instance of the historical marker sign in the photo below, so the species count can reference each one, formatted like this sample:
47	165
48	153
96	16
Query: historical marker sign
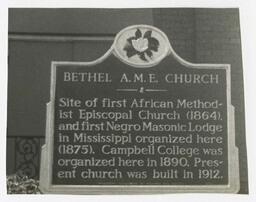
139	120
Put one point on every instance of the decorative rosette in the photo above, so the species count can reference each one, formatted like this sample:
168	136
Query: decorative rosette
143	46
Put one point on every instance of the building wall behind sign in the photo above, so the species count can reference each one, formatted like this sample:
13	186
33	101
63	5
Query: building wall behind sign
39	36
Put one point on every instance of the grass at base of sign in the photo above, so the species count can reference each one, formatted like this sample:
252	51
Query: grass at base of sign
22	184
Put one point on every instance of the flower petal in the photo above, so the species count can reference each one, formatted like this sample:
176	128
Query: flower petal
130	39
142	56
147	34
149	53
138	34
153	44
130	51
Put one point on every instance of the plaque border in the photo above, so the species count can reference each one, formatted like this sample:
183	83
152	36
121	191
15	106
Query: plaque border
47	149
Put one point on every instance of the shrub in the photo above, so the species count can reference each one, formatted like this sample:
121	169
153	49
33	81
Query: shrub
22	184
